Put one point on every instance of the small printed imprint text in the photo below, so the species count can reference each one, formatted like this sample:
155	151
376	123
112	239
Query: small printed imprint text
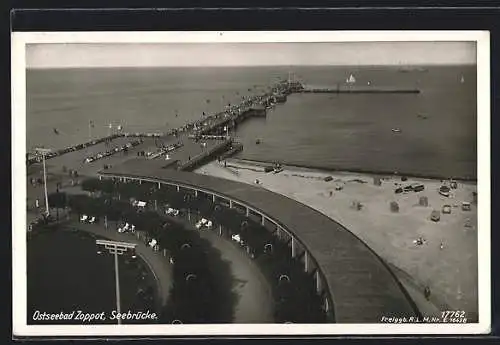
84	317
447	316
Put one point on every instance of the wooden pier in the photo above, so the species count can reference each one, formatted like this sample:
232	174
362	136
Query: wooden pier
358	90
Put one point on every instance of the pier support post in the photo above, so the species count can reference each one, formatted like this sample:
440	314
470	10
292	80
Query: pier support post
213	198
178	188
196	193
278	231
189	214
263	221
159	185
327	305
100	178
294	249
306	261
140	181
220	230
230	203
319	286
247	212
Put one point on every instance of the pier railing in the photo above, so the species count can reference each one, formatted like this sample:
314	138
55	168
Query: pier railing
208	154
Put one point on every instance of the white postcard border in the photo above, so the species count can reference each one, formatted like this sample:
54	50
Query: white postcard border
18	127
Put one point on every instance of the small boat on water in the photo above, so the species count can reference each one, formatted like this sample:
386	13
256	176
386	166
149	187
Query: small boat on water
396	130
56	131
351	79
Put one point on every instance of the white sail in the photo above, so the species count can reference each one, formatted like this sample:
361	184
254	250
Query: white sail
351	79
462	80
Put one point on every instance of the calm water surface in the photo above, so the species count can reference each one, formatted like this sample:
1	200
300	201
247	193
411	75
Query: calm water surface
438	126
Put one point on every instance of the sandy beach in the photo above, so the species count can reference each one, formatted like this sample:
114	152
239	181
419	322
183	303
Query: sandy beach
446	261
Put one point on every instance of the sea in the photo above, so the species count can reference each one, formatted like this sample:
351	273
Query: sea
432	133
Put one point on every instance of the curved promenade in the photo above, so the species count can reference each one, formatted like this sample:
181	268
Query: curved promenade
356	284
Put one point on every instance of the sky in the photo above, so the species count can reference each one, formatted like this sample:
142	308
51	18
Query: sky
74	55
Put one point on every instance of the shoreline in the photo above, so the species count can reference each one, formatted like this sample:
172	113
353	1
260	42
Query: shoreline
390	234
322	169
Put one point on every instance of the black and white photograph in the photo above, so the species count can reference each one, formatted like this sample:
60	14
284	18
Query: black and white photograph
251	183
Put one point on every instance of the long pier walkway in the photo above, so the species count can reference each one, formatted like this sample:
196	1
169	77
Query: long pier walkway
186	147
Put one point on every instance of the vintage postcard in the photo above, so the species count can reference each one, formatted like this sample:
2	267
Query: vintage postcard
250	183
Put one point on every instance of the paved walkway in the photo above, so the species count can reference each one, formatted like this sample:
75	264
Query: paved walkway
158	264
255	301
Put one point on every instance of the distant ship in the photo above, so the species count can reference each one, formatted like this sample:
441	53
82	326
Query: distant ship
351	79
396	130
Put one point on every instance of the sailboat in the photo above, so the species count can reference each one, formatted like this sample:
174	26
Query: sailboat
351	79
462	80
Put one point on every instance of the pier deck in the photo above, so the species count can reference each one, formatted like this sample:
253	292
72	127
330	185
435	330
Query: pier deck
362	90
75	160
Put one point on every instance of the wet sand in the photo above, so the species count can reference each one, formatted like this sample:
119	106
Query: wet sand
450	272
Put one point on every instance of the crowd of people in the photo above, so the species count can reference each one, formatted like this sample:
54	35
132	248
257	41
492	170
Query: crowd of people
36	158
117	149
266	100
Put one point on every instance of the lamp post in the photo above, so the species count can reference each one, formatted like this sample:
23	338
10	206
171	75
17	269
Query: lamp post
116	248
43	152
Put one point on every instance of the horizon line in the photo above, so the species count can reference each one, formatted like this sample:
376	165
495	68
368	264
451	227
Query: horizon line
254	66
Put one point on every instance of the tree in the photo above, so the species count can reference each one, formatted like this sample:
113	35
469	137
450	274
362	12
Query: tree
78	203
91	184
107	186
57	200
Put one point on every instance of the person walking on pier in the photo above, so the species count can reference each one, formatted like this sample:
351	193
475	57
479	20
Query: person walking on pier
427	293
